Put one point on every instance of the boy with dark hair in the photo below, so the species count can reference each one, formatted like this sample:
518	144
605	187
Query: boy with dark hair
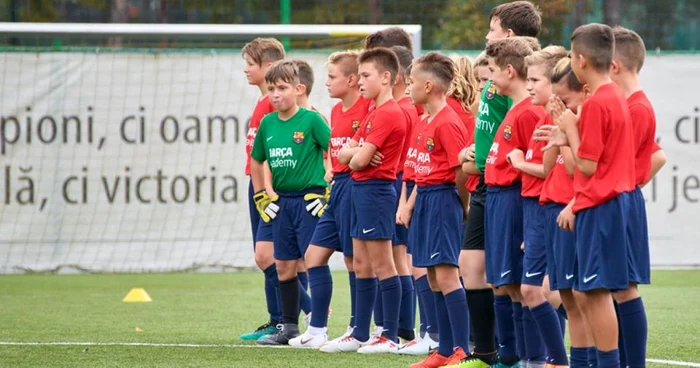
492	110
332	232
516	18
379	139
407	316
291	141
601	140
628	60
438	205
259	55
392	36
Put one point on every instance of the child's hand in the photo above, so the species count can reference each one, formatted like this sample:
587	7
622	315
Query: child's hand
552	134
376	159
328	177
566	219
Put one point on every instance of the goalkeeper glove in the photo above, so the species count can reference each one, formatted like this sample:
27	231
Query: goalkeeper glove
317	202
266	206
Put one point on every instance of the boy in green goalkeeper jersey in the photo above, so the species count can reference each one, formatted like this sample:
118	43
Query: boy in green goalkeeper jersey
292	141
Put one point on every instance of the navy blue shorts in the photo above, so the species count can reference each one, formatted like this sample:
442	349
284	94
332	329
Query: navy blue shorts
411	229
333	228
401	232
601	246
561	250
503	230
438	214
261	230
535	258
638	246
373	210
294	225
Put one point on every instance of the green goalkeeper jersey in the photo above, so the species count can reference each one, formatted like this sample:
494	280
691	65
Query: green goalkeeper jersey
293	149
492	109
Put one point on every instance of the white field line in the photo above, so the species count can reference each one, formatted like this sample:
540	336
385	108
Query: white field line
64	343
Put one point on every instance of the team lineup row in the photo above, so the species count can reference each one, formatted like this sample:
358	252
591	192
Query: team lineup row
499	225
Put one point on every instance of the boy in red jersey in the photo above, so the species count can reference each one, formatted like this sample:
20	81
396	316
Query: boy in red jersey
373	210
438	205
503	225
259	55
539	68
557	194
428	337
407	316
649	158
333	229
601	140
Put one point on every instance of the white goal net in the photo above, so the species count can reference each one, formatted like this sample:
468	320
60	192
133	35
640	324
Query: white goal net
127	161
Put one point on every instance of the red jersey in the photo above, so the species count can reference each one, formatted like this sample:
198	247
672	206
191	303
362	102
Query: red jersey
262	108
385	127
467	118
420	110
606	138
437	153
558	187
644	126
514	132
409	110
409	173
532	185
344	124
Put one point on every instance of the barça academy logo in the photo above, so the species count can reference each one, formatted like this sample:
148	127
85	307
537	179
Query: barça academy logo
298	137
429	144
355	125
491	92
508	132
368	127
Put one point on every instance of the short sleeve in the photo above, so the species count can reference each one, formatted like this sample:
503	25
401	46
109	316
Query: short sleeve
258	153
642	122
382	126
527	122
321	131
453	137
592	132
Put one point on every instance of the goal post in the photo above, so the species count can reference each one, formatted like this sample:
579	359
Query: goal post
133	160
222	31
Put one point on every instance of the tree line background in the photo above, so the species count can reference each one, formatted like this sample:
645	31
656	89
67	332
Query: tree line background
447	24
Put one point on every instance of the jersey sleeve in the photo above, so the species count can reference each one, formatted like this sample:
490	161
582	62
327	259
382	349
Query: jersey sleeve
592	132
382	126
321	131
453	138
526	126
258	153
642	126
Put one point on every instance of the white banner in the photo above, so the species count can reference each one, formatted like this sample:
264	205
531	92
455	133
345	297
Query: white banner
127	162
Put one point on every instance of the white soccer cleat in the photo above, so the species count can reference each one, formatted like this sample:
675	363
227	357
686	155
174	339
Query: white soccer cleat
347	344
307	340
379	345
347	333
419	347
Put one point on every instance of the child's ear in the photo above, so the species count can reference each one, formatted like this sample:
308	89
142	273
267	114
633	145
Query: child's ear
511	72
615	67
586	90
386	77
300	89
